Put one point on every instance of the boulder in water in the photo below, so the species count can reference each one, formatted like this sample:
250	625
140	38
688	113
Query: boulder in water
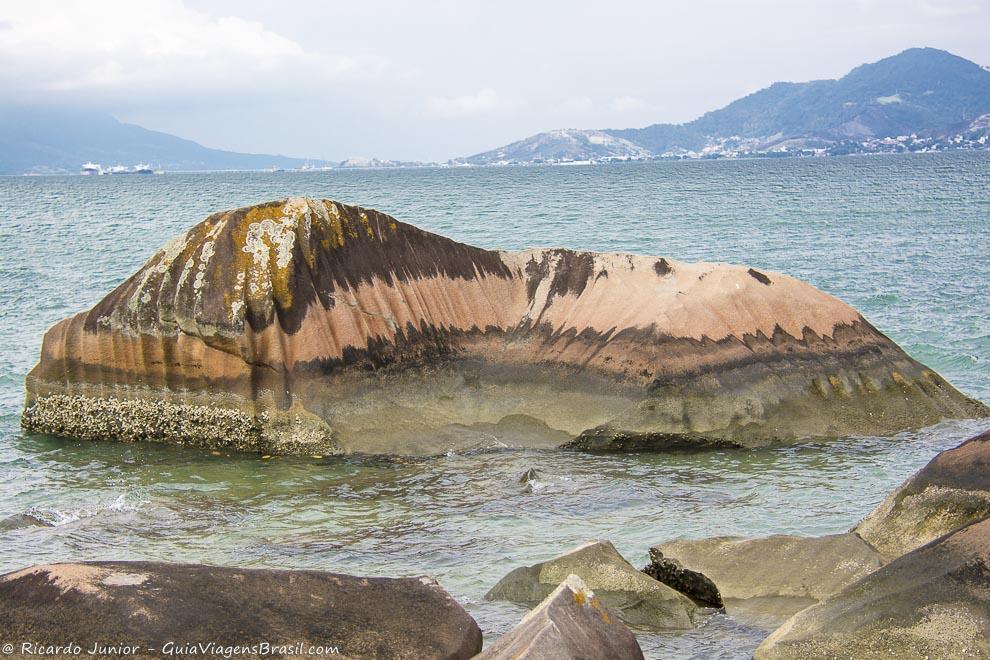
765	580
933	602
314	327
633	596
950	492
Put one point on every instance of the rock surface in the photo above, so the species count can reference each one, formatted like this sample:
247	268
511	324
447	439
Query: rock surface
953	490
316	327
570	624
771	578
696	586
933	602
151	604
633	596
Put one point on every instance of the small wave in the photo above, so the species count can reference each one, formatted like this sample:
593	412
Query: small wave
54	517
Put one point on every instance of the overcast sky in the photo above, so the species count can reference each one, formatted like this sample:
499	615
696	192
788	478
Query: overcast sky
434	80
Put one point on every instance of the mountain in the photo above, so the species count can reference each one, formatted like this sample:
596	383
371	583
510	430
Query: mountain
929	93
52	140
563	145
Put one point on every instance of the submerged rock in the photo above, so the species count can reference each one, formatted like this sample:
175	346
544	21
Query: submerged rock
151	604
933	602
953	490
692	584
315	327
570	624
768	579
528	476
633	596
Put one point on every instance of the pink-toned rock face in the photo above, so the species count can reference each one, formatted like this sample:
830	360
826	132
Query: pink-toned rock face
312	326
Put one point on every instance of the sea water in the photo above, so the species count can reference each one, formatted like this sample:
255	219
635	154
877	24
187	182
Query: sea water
904	239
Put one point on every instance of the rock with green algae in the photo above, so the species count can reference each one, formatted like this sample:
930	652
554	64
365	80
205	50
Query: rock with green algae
310	326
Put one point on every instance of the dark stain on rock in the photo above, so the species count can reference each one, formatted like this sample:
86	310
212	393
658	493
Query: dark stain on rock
662	267
759	277
571	273
535	272
608	439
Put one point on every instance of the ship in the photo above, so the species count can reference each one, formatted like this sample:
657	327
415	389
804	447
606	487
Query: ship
90	168
143	168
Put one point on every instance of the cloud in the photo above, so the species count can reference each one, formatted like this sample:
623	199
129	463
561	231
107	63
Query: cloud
575	105
468	105
627	104
127	48
950	8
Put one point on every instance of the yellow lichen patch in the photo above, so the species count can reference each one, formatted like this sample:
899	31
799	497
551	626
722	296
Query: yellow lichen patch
900	380
602	612
267	237
839	385
335	224
367	224
579	597
868	384
818	384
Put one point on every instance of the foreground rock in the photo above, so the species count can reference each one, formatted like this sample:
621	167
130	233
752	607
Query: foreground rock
768	579
933	602
571	623
315	327
150	604
634	597
953	490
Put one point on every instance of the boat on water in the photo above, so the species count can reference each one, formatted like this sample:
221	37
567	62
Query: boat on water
143	168
117	169
91	169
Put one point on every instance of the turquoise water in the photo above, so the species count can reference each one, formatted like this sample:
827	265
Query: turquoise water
905	239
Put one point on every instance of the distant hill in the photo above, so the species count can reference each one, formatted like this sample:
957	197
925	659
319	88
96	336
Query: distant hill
921	91
52	140
563	144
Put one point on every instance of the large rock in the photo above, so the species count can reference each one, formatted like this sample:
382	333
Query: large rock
635	597
953	490
150	604
312	326
768	579
570	624
933	602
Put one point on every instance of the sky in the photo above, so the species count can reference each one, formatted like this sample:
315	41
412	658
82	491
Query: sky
433	80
